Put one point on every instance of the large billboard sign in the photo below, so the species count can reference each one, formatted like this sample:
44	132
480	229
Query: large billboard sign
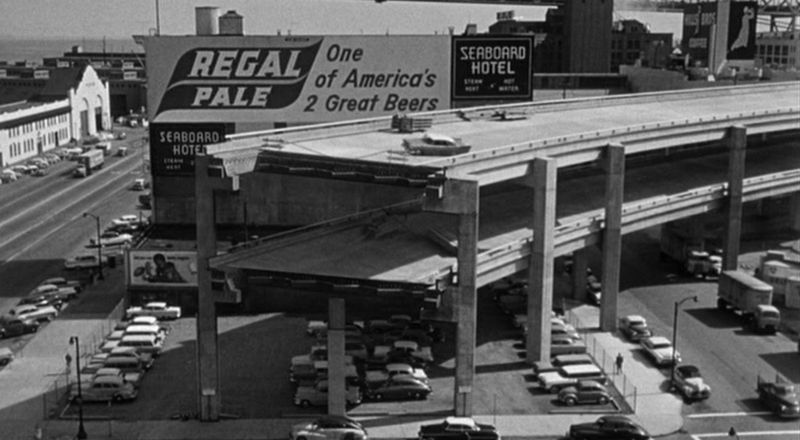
699	20
173	146
162	268
742	31
492	67
295	79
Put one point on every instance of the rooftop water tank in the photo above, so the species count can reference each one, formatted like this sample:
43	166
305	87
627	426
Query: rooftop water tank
207	20
231	24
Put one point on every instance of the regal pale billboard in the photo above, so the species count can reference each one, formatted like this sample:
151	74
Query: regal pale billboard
295	79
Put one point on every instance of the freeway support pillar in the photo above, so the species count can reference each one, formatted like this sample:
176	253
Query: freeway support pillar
540	275
207	348
737	144
579	264
336	372
794	212
461	197
614	165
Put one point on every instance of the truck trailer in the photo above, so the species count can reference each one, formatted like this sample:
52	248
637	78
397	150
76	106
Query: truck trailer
749	295
88	162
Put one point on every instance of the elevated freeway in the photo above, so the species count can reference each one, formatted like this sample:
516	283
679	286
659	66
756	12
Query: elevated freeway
462	228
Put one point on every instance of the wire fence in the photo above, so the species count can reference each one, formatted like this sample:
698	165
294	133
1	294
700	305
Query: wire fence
57	394
605	360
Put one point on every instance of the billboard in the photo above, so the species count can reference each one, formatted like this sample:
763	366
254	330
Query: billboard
742	31
492	67
173	146
162	268
295	79
699	20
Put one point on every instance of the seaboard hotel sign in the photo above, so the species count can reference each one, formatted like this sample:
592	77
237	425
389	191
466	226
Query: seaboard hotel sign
492	67
295	79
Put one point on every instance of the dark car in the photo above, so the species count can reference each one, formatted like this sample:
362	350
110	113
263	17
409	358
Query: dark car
16	327
397	388
458	428
608	427
585	391
634	327
780	397
688	381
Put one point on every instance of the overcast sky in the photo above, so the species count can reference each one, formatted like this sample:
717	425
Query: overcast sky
123	18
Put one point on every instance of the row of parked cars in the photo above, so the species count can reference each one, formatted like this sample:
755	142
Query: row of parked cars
385	359
41	304
120	232
36	166
115	372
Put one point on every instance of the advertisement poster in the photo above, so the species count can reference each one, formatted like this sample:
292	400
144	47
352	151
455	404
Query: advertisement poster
742	31
173	146
162	268
490	67
295	79
698	22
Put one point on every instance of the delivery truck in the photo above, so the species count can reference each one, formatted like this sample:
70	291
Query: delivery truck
695	255
750	296
88	162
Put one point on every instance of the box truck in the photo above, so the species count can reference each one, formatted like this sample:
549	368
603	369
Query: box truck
88	162
749	295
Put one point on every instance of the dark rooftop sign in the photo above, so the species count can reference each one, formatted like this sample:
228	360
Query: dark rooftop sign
492	67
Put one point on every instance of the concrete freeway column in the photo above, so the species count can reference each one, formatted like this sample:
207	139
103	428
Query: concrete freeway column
540	275
614	165
737	144
336	367
206	347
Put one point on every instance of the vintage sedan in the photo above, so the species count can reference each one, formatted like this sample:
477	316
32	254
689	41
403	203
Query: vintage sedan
634	327
660	350
29	312
397	388
83	262
317	394
157	309
104	389
688	381
329	428
608	428
63	282
431	144
112	238
14	327
585	391
395	370
563	344
780	397
458	428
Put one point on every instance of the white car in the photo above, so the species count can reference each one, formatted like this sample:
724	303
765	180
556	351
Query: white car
157	309
112	238
83	262
63	293
125	220
33	313
422	353
660	350
396	370
63	282
329	428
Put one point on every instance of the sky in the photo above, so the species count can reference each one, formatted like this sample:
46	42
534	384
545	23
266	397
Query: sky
123	18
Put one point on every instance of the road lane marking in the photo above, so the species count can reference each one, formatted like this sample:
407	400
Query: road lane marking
730	414
758	434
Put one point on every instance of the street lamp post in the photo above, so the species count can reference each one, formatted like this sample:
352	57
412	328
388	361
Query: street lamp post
675	334
99	245
81	431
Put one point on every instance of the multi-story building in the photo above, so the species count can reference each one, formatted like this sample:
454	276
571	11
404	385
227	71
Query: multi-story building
633	43
779	50
39	114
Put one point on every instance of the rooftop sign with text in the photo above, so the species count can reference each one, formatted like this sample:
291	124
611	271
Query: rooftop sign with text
492	67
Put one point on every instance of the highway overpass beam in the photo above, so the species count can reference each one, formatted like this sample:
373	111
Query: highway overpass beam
614	165
579	264
461	197
737	144
540	275
336	367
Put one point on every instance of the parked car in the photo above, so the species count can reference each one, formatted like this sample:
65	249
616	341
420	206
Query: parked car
14	327
104	389
563	344
397	388
65	293
780	397
317	394
157	309
660	350
125	220
329	428
688	381
42	301
112	238
458	428
570	375
634	327
29	312
395	370
83	262
431	144
6	356
63	282
133	378
614	427
143	361
585	391
422	353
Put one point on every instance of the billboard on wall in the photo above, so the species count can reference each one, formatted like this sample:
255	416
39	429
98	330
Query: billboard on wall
162	268
173	146
295	79
699	20
492	67
742	31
